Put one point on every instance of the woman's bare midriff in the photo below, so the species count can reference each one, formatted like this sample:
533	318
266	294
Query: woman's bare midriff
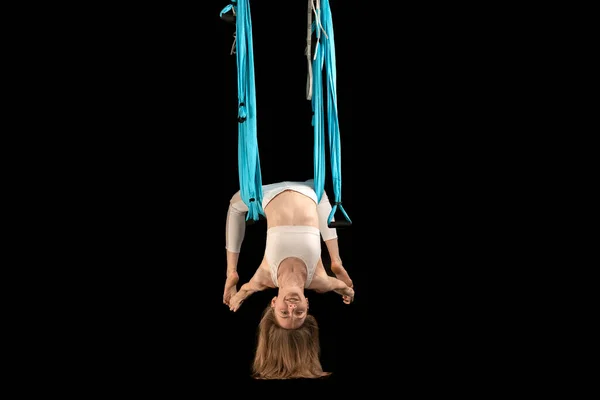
291	208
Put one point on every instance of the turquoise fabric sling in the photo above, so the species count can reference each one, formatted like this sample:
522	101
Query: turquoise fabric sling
321	88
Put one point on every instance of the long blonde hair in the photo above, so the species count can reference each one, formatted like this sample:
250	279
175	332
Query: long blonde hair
287	353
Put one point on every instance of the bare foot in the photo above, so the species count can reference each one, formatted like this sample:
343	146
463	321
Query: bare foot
230	287
235	302
341	274
348	298
347	294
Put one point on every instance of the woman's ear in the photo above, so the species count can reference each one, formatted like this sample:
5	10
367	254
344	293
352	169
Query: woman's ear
273	301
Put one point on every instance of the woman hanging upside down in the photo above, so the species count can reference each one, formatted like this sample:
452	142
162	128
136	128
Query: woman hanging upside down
291	263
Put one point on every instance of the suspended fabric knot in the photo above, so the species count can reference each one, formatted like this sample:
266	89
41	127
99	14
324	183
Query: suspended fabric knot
254	210
242	112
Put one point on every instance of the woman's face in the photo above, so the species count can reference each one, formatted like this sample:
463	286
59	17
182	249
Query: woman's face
290	308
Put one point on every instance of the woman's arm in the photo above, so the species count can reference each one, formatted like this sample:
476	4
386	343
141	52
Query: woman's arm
323	210
330	238
334	251
235	230
336	262
232	277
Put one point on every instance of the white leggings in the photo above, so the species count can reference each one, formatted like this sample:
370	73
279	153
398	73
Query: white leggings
236	214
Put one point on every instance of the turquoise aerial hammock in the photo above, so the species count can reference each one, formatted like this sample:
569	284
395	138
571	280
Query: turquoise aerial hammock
323	62
250	176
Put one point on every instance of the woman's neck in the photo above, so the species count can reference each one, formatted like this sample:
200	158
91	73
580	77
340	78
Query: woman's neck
291	273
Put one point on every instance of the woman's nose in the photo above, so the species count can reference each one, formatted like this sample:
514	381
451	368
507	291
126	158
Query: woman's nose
292	306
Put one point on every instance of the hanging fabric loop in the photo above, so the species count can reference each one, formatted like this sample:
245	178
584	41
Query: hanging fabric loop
324	63
249	171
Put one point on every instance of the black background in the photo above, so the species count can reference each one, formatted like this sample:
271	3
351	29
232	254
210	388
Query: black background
145	161
165	164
